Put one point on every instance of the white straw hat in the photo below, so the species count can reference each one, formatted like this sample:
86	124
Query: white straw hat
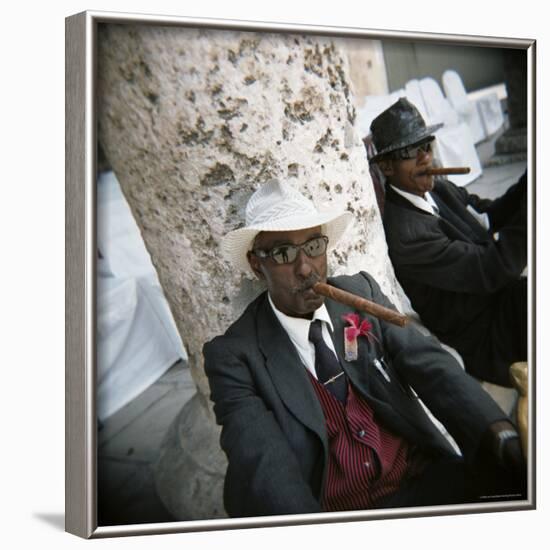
276	206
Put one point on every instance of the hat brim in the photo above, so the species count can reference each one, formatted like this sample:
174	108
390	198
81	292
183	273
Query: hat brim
237	243
428	132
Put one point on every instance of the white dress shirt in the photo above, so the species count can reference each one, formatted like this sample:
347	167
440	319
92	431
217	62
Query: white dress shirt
427	204
298	332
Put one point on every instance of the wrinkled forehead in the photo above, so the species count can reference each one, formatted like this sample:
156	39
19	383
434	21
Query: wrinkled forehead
268	239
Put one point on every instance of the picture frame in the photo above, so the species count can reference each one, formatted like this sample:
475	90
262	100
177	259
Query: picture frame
81	265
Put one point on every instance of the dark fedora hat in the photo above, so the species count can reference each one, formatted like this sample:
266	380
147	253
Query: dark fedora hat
399	126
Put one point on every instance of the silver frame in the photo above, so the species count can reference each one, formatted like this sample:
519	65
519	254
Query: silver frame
80	269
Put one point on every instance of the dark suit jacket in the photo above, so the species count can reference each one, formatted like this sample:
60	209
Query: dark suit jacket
451	268
273	428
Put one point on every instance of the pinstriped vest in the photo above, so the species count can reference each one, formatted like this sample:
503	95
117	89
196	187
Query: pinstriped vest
367	463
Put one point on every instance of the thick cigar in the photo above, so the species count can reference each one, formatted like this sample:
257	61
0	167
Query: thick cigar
445	171
356	302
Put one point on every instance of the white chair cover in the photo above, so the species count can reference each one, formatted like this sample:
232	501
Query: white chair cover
137	340
413	93
467	111
437	106
454	145
490	111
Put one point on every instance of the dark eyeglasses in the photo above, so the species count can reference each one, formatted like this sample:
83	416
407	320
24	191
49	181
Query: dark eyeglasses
411	152
287	253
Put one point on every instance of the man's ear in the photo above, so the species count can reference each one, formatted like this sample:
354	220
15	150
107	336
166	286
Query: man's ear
254	263
386	166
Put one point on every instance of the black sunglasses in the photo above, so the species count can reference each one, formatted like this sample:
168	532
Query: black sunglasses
412	151
287	253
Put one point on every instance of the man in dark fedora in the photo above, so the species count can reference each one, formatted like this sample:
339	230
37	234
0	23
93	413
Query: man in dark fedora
319	403
459	258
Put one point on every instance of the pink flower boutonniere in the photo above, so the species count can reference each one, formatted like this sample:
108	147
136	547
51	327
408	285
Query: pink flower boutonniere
351	333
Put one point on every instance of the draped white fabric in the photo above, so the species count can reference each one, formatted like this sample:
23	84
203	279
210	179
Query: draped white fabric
490	110
466	109
455	144
137	340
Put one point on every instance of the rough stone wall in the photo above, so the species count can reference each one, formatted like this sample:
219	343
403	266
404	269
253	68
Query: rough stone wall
193	121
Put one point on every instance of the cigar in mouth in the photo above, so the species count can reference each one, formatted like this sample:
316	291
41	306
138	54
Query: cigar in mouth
445	171
362	304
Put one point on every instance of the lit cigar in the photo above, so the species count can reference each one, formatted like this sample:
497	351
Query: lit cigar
445	171
356	302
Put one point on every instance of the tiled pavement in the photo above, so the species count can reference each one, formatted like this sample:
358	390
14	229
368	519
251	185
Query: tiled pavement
495	180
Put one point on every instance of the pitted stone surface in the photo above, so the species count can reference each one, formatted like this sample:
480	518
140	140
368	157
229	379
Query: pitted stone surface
193	121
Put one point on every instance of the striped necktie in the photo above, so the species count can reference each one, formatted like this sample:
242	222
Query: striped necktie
328	369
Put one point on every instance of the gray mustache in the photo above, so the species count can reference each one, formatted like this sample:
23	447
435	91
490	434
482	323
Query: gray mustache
307	284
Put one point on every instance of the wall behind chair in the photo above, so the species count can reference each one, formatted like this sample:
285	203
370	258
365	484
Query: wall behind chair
478	67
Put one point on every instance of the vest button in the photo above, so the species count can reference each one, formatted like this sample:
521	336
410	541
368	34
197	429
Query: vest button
362	433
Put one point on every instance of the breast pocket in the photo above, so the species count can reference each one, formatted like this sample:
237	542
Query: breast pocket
385	373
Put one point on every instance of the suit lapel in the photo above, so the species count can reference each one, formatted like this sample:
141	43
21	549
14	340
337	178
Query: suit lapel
370	382
464	228
288	373
295	389
460	226
455	214
355	370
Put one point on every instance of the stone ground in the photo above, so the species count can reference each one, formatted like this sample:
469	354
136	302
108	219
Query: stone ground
128	445
129	441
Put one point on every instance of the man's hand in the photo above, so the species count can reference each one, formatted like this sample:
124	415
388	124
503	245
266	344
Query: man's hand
503	443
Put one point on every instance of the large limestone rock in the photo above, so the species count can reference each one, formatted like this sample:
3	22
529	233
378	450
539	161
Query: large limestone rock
192	121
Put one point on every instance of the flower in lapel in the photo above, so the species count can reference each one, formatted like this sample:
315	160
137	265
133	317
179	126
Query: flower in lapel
351	333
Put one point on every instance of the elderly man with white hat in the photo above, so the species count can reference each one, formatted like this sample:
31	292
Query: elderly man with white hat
318	402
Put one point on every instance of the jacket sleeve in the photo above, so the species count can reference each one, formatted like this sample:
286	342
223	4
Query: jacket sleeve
422	251
263	475
455	398
503	209
469	199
